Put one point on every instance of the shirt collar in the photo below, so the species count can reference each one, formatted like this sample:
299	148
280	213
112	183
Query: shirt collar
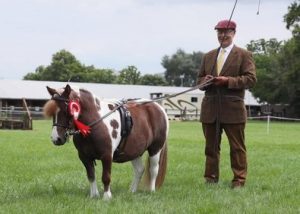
228	49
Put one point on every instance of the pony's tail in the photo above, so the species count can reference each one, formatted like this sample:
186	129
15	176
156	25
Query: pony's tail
163	160
161	170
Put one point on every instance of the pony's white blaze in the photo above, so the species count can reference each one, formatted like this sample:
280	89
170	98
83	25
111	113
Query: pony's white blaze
54	134
94	190
138	172
154	166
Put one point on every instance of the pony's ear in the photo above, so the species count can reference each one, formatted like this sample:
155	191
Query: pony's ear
51	90
67	91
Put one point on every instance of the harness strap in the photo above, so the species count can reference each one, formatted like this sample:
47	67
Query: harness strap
200	86
126	126
106	115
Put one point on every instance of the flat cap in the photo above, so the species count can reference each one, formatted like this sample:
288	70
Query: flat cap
226	24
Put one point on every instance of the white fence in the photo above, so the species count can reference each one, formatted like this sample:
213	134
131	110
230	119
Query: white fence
269	118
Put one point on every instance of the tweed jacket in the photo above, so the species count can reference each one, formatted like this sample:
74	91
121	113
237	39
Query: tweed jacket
227	102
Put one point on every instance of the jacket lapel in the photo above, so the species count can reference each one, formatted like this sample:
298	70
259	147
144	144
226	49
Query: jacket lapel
212	62
229	60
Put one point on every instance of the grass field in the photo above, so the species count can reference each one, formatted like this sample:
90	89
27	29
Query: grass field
38	177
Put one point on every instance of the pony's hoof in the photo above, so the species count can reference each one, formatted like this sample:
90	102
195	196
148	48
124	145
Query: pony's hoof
94	195
133	188
107	196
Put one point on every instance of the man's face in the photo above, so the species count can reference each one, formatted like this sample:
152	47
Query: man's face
225	37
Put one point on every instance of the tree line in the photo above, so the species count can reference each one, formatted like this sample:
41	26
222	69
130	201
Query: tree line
181	69
277	64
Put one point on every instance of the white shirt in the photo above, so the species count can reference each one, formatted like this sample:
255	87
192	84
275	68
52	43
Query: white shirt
227	52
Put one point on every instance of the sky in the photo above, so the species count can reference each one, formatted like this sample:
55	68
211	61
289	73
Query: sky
115	34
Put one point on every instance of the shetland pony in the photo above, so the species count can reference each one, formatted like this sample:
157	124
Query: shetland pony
96	127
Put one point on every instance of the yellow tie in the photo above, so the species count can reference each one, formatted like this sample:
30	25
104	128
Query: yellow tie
220	60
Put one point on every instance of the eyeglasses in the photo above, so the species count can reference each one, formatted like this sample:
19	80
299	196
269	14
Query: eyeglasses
225	31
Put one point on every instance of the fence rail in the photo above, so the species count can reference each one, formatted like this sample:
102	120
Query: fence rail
268	118
16	117
4	113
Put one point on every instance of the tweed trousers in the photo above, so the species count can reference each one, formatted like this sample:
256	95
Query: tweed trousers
238	158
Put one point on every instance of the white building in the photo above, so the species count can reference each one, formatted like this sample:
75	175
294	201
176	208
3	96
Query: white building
35	93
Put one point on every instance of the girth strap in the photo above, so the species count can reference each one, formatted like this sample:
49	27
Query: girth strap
126	126
126	121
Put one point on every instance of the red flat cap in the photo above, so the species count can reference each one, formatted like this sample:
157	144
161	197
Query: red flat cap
225	24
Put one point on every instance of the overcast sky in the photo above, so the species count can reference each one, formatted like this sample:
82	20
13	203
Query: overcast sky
118	33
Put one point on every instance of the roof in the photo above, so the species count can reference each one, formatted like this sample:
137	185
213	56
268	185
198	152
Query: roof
18	89
36	90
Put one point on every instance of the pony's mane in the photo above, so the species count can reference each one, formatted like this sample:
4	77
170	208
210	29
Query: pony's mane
50	108
88	98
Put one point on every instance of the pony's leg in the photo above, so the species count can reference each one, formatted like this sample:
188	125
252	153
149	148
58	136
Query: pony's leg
154	166
90	171
138	172
106	172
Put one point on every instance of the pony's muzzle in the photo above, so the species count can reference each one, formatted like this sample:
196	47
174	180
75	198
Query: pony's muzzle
59	141
57	137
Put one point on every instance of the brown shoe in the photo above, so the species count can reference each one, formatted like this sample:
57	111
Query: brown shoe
236	185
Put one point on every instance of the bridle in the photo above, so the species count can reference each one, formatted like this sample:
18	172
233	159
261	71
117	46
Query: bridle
69	130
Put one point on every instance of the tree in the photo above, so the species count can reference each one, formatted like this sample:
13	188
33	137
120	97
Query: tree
262	46
278	65
64	66
37	75
292	19
100	75
182	68
269	74
149	79
129	75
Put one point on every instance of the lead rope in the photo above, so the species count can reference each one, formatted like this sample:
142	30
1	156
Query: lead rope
200	86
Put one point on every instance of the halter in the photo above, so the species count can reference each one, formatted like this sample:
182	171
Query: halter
73	110
69	130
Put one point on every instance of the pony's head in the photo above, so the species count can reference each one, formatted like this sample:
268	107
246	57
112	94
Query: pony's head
62	107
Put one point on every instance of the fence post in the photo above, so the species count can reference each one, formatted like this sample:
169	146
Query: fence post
268	124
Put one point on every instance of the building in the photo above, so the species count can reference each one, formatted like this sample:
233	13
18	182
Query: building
185	106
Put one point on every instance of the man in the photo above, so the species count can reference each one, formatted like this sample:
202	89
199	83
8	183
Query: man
231	70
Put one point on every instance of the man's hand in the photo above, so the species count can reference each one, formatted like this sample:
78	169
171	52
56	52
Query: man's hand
220	81
207	78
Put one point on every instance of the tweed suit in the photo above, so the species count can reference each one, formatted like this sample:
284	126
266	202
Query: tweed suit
225	104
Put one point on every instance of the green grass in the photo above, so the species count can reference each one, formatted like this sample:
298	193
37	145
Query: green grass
38	177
